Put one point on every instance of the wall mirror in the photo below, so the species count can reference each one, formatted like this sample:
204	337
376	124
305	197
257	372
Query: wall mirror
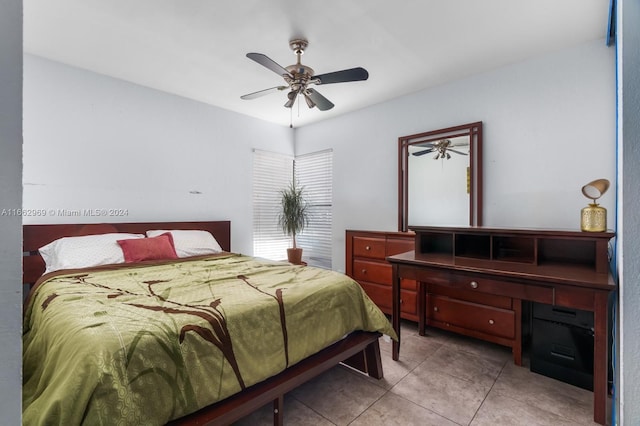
440	177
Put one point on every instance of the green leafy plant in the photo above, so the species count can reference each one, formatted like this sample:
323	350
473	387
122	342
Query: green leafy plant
293	215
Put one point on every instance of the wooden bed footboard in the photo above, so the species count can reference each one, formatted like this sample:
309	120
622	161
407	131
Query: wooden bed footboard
360	350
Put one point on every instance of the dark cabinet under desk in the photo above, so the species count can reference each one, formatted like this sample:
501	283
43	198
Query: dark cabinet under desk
562	344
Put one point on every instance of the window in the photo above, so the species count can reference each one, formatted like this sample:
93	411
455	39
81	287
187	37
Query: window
273	172
314	172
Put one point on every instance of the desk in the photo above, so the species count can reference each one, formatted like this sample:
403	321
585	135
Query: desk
547	274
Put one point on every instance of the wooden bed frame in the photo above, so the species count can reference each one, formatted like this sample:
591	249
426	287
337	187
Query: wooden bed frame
359	350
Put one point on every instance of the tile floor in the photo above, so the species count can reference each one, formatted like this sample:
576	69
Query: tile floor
441	379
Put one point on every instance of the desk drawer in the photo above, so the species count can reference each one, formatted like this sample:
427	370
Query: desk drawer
480	298
485	319
575	317
373	248
479	283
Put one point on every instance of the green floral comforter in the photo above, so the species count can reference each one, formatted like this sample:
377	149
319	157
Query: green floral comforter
148	343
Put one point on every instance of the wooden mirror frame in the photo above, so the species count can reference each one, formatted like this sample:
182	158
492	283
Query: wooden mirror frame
474	131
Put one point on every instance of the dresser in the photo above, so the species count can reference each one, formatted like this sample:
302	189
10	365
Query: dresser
366	253
473	280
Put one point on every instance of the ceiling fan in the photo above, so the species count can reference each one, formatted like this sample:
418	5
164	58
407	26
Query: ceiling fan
299	77
442	149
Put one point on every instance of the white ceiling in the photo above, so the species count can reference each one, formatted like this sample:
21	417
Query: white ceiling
197	48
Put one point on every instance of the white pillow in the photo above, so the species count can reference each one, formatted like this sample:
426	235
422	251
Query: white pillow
190	242
84	251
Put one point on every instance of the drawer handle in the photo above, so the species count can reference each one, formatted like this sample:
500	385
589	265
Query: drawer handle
435	309
364	271
562	356
473	284
367	248
491	321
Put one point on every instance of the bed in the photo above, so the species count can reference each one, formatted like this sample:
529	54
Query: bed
191	339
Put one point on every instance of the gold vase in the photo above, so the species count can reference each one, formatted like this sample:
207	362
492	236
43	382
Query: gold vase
593	218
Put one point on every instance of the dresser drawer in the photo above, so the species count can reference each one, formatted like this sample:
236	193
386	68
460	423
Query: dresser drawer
482	284
381	296
372	271
408	302
485	319
370	247
411	285
379	273
399	245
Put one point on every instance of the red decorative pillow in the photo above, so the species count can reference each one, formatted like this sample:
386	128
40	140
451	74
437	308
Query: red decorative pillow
155	248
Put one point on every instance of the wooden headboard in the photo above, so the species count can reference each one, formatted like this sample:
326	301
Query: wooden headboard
36	236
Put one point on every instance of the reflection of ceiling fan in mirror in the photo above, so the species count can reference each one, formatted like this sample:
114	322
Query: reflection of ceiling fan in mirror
298	77
442	148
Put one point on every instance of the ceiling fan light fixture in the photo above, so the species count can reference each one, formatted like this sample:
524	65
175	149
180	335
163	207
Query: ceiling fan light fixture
291	99
310	103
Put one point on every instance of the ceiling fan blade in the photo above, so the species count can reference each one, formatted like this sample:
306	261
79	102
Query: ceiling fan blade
260	93
426	145
352	74
457	152
426	151
321	102
267	62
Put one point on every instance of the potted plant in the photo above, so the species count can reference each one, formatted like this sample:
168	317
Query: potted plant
293	218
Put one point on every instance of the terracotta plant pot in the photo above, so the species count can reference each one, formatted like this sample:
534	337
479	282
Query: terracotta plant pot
294	255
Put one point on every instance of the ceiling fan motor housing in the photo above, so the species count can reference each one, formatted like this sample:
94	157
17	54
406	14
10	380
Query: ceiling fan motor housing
301	73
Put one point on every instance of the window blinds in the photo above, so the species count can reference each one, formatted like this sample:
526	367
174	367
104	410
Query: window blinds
273	172
314	172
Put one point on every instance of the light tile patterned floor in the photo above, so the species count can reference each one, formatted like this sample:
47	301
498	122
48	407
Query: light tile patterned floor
442	379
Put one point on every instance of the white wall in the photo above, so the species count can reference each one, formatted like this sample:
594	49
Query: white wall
94	142
549	128
628	347
10	198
